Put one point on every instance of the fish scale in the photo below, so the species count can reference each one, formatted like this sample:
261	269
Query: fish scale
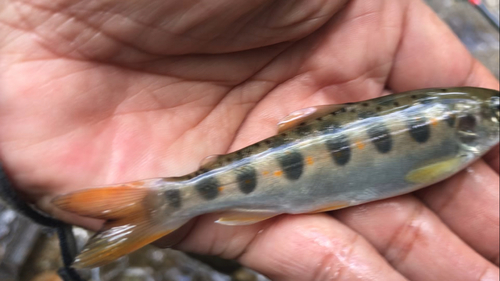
323	158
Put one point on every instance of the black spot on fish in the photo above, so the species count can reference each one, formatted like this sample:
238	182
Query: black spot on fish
353	110
240	154
333	113
344	110
444	90
414	97
173	198
386	100
379	108
247	178
380	137
419	128
208	188
292	164
303	130
467	127
277	141
365	104
339	148
396	103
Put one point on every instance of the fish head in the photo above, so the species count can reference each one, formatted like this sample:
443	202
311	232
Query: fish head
477	118
492	107
491	116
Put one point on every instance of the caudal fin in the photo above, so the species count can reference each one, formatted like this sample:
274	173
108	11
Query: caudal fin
129	226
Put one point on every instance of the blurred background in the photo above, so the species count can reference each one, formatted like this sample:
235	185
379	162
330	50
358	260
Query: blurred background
29	252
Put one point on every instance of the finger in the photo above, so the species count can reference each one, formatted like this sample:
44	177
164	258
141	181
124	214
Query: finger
430	55
300	247
415	241
468	203
493	159
177	236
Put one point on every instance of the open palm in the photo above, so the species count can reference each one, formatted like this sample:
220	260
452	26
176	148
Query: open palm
98	92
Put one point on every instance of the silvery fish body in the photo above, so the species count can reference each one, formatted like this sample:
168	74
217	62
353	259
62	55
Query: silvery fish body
324	158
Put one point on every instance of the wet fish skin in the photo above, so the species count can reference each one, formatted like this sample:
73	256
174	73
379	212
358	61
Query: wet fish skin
354	154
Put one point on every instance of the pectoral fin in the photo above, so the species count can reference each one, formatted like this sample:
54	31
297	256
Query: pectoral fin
306	114
435	172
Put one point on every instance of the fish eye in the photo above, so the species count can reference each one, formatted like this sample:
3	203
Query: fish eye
495	107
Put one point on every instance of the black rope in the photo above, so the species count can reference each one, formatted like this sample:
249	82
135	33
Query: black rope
67	242
15	202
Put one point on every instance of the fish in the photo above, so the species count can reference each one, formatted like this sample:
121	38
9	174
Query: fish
323	158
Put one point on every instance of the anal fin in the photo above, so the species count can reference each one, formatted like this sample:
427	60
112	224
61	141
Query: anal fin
119	238
332	207
244	217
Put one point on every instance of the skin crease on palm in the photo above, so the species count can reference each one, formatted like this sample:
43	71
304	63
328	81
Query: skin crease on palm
99	92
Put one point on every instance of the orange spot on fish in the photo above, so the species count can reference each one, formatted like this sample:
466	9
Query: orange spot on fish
221	188
360	145
265	173
278	173
434	122
309	160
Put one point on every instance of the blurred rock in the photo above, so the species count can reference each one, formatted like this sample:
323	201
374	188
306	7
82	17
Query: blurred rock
473	29
17	237
47	276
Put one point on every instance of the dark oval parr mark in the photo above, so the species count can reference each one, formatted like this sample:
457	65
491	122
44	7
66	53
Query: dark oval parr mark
208	188
380	137
247	179
173	198
419	128
467	128
339	148
292	164
303	130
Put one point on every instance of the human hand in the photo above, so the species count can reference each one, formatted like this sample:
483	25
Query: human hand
98	92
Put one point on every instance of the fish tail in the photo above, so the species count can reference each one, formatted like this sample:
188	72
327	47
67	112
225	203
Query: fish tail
130	222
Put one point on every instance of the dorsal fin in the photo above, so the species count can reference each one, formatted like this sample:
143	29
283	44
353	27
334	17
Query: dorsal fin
306	114
209	160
